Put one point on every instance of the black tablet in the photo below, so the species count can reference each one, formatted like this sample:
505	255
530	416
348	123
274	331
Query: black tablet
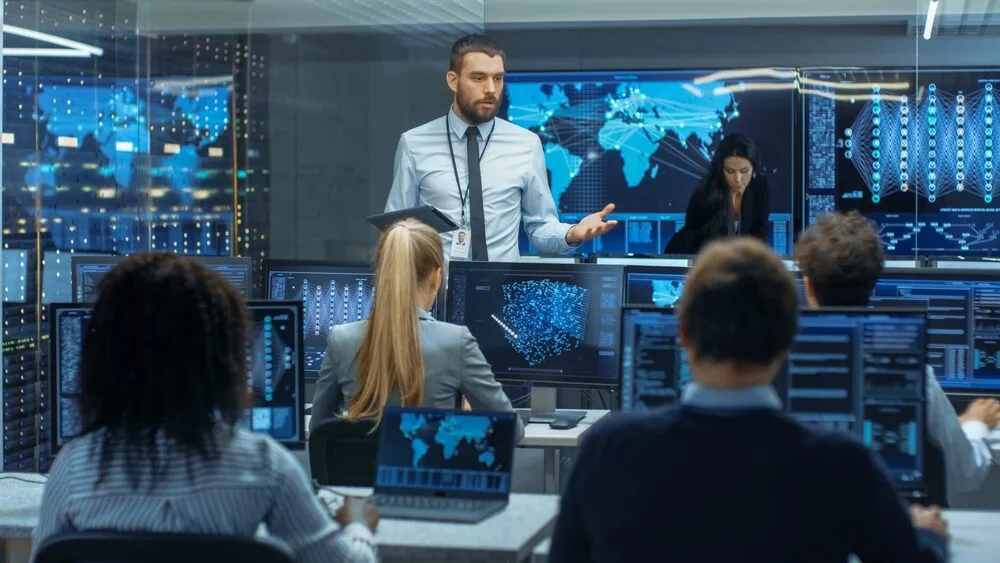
426	214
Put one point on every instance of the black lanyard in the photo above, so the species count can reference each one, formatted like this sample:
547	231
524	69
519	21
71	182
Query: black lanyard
463	197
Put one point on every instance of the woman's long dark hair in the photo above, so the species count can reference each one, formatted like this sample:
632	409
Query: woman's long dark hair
710	203
164	358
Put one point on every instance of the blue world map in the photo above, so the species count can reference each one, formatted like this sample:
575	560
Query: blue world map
629	118
451	433
123	120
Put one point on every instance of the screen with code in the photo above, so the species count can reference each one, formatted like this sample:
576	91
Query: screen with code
963	322
88	271
855	371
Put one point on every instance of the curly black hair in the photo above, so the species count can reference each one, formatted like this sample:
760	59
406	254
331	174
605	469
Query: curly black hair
164	358
842	256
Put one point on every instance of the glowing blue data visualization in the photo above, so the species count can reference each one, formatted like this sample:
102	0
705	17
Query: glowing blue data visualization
544	318
551	324
123	165
913	152
643	140
331	295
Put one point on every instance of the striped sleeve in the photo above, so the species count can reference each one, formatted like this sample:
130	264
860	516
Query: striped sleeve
300	520
52	516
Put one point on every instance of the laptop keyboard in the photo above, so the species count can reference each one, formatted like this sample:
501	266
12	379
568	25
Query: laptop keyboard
431	503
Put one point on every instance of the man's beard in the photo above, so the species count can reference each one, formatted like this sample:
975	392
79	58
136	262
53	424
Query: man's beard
475	113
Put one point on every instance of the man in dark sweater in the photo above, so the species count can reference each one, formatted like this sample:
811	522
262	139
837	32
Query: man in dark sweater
726	477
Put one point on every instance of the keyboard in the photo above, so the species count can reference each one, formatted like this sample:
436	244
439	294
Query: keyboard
436	508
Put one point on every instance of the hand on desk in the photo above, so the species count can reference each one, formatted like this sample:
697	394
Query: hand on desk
357	509
985	410
929	519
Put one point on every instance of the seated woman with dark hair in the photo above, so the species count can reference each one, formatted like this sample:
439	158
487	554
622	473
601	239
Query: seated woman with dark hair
733	199
163	386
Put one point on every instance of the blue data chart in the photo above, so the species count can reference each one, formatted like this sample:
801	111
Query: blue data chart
643	139
331	295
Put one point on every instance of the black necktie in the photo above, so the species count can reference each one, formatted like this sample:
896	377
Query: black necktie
479	251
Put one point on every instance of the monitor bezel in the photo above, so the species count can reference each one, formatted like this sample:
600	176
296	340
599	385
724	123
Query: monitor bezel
511	416
54	394
114	260
610	382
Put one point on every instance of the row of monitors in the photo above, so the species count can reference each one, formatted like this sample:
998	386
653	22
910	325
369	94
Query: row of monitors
274	361
856	371
556	324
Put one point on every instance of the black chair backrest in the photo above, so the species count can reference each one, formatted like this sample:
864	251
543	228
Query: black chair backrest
343	452
935	478
129	547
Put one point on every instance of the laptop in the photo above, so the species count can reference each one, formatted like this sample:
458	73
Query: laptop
444	465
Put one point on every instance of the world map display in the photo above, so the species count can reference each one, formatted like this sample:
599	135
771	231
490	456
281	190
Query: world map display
446	436
643	141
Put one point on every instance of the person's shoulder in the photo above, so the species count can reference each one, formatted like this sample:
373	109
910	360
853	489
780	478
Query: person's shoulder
433	127
624	428
512	129
258	452
444	333
836	449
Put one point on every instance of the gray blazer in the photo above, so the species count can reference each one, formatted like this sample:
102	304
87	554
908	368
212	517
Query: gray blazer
453	363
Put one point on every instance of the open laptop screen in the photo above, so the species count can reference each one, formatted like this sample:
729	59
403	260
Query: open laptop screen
446	453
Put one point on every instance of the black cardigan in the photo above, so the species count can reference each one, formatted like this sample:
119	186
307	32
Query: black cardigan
704	222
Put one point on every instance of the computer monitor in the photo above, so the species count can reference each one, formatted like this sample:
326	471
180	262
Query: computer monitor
274	363
858	371
88	271
331	293
548	325
654	285
662	286
963	322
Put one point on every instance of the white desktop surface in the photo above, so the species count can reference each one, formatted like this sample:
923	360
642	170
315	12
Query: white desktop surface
538	435
974	538
509	535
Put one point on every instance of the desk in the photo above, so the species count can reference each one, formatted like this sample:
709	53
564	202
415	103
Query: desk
974	538
508	536
555	442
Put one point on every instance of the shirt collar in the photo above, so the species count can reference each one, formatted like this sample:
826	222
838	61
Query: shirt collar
424	315
756	397
458	126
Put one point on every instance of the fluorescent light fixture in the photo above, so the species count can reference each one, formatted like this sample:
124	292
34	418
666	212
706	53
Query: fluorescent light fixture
931	13
737	74
72	48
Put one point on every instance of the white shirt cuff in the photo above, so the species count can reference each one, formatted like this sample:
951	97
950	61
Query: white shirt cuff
976	429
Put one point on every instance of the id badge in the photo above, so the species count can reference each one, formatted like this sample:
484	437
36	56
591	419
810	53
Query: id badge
461	244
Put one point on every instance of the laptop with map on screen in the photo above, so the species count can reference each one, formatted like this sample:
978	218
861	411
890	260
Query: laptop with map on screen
444	465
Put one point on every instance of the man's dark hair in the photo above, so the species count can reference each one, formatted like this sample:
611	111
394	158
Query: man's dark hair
473	44
739	305
164	359
842	256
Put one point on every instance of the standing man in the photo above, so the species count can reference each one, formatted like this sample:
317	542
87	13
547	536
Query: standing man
485	173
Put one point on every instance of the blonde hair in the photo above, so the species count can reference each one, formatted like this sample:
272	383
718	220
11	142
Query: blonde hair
408	254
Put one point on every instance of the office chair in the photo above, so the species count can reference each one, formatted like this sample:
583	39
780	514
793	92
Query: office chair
128	547
343	452
935	480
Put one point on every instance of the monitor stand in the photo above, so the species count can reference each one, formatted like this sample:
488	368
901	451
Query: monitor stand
543	408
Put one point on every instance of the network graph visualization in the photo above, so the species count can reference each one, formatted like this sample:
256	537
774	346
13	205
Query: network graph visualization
542	324
644	139
913	152
331	295
544	318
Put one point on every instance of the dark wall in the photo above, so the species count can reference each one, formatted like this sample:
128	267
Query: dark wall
339	102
